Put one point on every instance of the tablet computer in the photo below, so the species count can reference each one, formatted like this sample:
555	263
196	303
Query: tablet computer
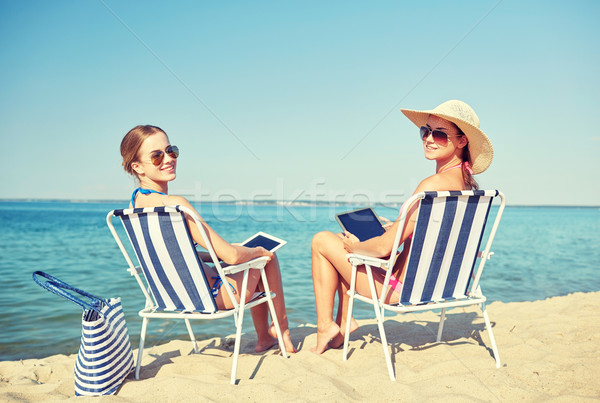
269	242
362	222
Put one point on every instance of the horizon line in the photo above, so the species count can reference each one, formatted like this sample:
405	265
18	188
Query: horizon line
263	202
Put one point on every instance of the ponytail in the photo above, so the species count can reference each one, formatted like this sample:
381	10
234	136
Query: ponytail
467	173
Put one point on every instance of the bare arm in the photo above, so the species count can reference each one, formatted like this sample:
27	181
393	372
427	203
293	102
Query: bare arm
382	245
230	254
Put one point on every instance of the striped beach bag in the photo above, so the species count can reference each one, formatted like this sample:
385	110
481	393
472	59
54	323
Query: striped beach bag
105	357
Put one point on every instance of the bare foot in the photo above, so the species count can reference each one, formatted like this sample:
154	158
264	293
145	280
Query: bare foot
287	341
265	344
338	340
324	336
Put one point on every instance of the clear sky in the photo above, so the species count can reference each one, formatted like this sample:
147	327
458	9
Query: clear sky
297	99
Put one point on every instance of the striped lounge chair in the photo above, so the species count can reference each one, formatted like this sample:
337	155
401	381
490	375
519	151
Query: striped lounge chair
175	285
443	254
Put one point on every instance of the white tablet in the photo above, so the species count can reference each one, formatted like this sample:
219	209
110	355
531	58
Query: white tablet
269	242
363	223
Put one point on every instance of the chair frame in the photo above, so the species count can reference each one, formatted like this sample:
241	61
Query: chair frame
151	310
474	297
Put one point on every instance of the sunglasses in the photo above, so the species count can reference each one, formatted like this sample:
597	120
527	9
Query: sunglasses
158	156
439	137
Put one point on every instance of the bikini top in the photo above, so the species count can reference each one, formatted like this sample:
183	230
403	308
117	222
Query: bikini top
144	192
465	164
147	192
452	167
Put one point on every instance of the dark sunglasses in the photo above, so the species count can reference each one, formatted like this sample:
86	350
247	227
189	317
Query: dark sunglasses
158	156
439	137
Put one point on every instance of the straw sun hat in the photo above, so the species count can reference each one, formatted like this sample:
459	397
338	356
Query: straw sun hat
463	116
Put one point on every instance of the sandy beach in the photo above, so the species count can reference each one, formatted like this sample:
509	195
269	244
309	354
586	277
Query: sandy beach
549	351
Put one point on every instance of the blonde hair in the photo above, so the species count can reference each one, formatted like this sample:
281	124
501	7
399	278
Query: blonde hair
131	143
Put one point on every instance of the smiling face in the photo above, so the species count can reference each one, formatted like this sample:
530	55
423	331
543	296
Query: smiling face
146	171
441	153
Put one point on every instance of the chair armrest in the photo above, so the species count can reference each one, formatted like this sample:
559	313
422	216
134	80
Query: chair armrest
258	263
356	260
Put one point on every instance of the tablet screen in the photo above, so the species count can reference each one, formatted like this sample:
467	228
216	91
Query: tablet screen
269	242
362	222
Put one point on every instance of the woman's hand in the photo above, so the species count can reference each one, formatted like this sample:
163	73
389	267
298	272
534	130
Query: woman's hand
386	223
349	240
263	252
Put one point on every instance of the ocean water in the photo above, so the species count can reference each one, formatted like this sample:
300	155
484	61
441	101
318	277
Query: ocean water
540	252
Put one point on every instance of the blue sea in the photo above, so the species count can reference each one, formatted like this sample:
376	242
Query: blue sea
540	252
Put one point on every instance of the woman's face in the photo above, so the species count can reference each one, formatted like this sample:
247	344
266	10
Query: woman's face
435	151
144	166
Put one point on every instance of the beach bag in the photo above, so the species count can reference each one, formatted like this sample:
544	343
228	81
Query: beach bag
105	357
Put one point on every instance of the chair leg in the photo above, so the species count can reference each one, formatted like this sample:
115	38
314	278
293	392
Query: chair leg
349	315
441	327
236	348
384	343
192	337
141	348
379	314
488	326
239	320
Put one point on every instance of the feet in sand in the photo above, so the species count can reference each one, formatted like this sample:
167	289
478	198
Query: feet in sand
263	345
324	336
338	340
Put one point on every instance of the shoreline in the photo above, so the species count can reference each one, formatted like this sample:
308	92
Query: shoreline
548	349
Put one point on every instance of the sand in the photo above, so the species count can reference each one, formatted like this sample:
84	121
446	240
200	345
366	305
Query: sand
550	351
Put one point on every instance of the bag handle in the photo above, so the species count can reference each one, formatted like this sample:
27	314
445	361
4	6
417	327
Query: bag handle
58	287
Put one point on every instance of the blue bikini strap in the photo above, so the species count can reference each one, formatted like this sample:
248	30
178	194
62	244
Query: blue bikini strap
144	192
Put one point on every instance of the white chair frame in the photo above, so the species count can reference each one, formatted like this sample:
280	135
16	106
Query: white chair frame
151	311
475	297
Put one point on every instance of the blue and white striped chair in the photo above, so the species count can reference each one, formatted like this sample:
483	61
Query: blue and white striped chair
176	284
441	262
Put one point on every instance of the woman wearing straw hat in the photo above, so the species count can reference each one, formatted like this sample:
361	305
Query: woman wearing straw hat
452	138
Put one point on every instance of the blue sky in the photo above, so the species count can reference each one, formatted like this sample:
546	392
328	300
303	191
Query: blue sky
297	99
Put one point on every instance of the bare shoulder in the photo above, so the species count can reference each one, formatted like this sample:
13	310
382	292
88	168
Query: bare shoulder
432	183
441	182
174	200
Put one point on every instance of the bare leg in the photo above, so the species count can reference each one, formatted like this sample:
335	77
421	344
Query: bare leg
260	318
331	272
342	313
328	261
260	313
267	336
